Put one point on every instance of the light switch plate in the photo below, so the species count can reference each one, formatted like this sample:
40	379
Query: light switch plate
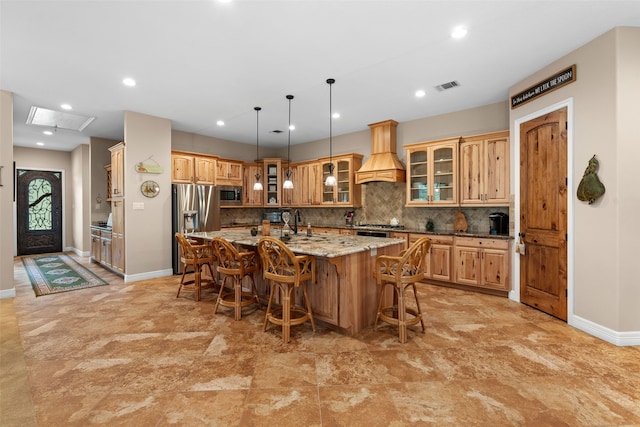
138	206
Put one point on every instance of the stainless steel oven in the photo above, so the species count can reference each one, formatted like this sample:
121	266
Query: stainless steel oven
230	195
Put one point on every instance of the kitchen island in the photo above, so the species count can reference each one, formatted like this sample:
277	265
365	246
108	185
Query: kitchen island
345	295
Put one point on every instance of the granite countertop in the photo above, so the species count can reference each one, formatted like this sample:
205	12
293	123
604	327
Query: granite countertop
325	245
423	231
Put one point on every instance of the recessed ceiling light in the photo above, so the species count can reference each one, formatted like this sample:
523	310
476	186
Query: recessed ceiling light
48	132
220	123
40	143
336	115
129	82
225	1
420	93
66	106
459	32
292	127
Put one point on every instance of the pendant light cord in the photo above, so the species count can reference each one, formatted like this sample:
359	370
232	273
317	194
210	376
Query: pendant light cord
331	167
289	97
257	131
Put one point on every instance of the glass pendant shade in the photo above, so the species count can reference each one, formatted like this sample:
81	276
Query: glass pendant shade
330	181
288	184
258	185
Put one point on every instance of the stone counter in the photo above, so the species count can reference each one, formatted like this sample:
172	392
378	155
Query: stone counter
320	244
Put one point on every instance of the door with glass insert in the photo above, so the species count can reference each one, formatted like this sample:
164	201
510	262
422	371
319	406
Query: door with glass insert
39	211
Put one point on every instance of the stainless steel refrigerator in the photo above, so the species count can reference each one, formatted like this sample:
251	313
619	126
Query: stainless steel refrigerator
194	208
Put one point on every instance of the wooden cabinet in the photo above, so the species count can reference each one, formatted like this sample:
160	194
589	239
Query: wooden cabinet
117	236
482	262
272	182
484	169
117	170
400	235
188	168
228	172
308	185
96	245
289	195
101	246
345	192
117	260
251	197
432	175
438	260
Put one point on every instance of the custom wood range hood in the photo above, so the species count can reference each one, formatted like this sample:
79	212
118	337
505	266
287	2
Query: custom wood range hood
383	165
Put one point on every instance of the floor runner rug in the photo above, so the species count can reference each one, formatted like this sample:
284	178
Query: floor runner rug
52	274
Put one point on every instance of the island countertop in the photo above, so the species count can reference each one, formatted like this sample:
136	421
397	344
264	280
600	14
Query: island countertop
325	245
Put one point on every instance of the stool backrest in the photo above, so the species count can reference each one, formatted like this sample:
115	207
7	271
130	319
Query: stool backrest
408	267
280	264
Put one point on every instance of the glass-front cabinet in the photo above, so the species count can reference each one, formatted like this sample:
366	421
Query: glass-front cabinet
272	182
345	192
432	175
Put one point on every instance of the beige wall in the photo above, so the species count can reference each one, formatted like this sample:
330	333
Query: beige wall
35	158
81	194
194	143
147	231
605	286
7	289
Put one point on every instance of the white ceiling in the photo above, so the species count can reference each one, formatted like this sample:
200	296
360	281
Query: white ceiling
200	61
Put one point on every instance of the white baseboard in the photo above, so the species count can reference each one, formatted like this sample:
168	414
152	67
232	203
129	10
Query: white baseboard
77	251
621	339
8	293
148	275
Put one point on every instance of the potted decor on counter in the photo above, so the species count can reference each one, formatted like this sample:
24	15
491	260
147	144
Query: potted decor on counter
254	231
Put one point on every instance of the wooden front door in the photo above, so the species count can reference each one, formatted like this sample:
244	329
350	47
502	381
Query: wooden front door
39	212
543	213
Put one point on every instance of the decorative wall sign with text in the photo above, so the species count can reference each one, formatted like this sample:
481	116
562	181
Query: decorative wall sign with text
550	84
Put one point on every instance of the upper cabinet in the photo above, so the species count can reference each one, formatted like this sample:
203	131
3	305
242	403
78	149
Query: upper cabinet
484	169
272	182
307	189
289	195
346	192
432	173
251	197
117	170
188	168
228	172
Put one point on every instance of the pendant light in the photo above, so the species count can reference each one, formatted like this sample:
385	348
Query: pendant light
258	185
331	179
288	184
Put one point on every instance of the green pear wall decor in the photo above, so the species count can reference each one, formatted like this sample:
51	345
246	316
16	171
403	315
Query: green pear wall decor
590	187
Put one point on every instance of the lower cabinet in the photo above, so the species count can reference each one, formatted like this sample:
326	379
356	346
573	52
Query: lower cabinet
101	246
482	262
438	262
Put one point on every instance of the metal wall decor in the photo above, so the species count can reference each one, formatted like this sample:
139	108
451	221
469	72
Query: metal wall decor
590	187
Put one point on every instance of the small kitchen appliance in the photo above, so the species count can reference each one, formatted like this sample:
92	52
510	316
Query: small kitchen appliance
348	217
499	223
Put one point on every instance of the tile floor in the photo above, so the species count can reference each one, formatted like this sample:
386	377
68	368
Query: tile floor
133	354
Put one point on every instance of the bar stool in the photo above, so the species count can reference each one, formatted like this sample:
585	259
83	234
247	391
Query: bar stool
401	272
236	266
286	271
196	256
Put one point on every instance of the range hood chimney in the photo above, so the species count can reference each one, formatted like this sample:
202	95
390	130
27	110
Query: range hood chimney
383	165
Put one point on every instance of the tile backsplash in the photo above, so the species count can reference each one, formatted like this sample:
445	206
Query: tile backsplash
381	201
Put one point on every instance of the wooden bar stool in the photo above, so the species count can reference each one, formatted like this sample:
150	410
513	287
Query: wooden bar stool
196	256
286	271
401	272
236	266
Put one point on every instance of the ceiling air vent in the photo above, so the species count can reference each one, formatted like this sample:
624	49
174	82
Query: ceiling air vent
58	119
449	85
277	131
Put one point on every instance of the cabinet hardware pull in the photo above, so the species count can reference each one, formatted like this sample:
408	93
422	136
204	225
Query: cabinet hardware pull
1	167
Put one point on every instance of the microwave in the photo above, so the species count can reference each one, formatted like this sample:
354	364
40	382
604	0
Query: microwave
230	195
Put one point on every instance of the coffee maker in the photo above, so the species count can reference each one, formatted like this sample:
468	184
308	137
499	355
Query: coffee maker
499	223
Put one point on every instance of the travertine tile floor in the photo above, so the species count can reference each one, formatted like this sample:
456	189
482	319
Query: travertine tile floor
133	354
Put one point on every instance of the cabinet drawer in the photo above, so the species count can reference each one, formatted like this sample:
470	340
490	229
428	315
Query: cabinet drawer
482	242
